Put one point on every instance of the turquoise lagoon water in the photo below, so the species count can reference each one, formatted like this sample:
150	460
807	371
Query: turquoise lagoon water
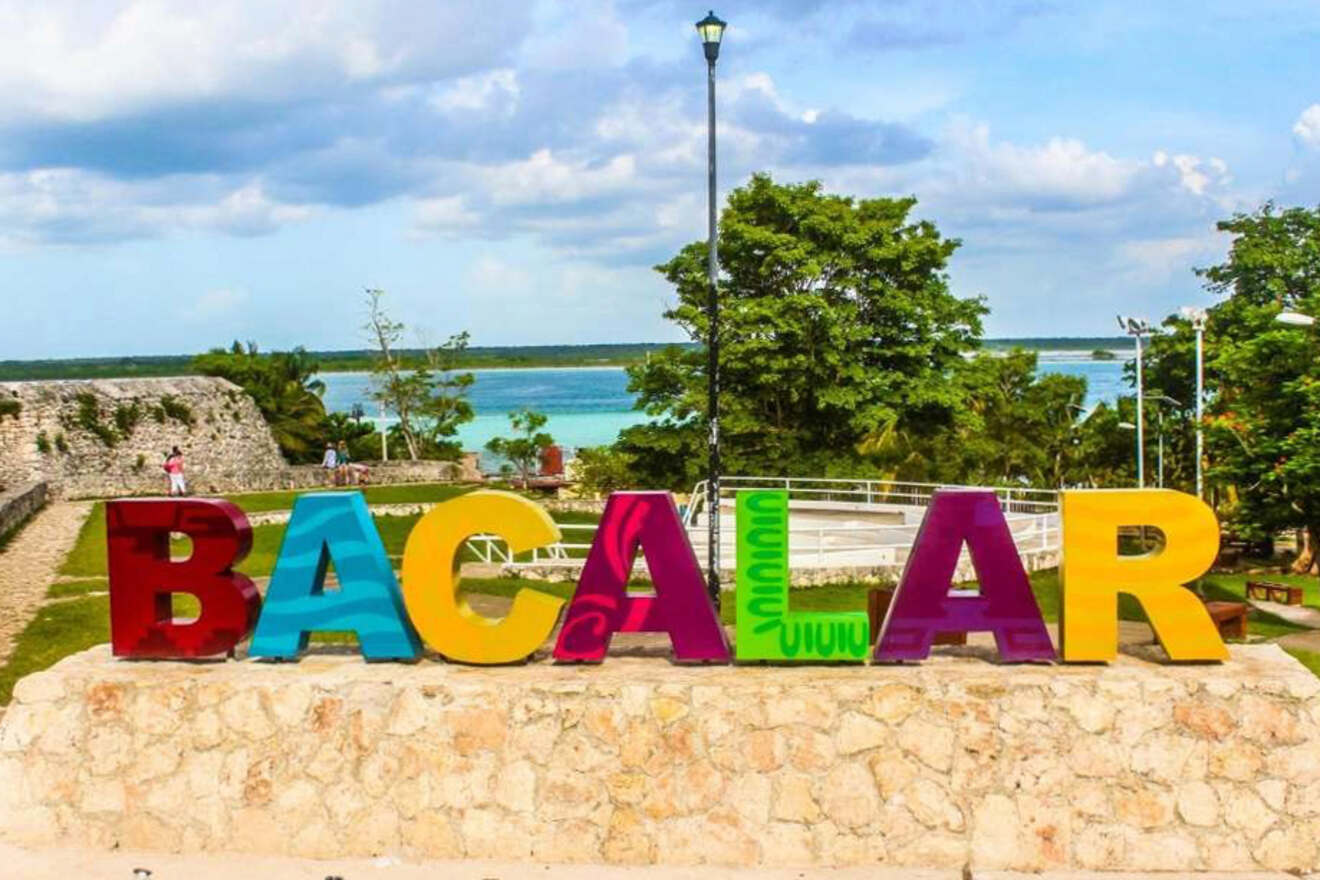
588	406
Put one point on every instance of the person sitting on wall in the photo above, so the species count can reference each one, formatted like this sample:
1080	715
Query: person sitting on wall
349	473
330	463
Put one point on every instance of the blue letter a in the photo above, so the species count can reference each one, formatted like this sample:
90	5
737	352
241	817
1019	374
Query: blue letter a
334	527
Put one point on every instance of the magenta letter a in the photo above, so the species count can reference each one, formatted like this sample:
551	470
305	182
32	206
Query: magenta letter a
922	605
601	606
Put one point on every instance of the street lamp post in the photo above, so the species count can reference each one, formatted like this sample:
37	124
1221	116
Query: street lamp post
1163	398
1198	318
1137	328
711	30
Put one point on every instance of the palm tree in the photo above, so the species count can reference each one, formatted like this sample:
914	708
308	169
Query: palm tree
284	388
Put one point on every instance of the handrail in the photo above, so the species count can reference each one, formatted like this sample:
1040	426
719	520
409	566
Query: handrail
1031	515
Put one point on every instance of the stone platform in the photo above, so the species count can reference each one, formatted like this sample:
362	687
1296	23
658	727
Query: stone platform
1137	766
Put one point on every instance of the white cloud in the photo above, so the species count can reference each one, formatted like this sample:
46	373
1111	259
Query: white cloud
1307	127
482	91
542	178
1157	260
446	214
77	60
1062	172
67	205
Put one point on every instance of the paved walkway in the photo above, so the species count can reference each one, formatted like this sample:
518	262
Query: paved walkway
1302	615
26	864
28	565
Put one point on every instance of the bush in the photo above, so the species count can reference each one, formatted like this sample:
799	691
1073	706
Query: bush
600	470
127	417
173	408
88	418
43	443
10	407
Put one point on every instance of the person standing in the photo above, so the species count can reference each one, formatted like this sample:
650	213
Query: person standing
174	469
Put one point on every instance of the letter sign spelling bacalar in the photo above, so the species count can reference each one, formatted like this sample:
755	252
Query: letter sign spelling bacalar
143	578
336	528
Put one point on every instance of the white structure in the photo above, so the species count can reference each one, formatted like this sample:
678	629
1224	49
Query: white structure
838	529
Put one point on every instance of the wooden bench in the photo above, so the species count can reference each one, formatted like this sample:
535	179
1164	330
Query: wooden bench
1272	591
877	605
1230	618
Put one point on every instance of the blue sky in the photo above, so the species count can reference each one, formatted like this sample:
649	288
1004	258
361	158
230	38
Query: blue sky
174	175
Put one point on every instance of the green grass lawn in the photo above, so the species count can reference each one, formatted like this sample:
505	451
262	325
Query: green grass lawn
58	630
68	589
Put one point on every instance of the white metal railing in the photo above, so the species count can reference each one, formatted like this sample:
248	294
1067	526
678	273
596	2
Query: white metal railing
1012	499
1032	516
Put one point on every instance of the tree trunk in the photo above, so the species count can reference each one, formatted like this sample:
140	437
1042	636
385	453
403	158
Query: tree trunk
1308	539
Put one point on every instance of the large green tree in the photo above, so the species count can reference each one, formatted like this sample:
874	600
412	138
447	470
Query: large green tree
836	325
1264	430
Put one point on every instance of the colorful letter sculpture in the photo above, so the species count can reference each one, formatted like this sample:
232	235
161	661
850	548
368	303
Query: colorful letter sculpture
1093	572
922	607
766	629
601	605
143	578
431	587
325	528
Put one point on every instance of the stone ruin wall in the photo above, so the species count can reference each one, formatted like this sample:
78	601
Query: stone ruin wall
109	436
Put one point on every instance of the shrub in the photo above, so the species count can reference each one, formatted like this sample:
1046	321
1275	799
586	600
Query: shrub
600	470
172	407
127	417
10	407
88	418
43	443
60	443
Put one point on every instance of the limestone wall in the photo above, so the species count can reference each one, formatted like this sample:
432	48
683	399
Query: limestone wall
1136	766
18	504
109	436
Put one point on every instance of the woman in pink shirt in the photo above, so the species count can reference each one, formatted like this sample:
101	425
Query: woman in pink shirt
174	469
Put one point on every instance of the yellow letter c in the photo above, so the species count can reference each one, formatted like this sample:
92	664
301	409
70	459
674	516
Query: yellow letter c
431	591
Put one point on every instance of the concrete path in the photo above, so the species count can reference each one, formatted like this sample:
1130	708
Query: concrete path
28	565
27	864
1302	615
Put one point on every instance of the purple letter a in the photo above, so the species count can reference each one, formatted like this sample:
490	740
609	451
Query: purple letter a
922	606
601	605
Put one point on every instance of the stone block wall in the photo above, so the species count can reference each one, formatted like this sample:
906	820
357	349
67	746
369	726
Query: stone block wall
18	504
957	762
109	436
